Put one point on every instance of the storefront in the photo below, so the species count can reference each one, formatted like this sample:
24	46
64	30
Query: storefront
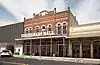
46	47
96	52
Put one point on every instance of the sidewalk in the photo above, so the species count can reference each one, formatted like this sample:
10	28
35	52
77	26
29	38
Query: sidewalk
66	59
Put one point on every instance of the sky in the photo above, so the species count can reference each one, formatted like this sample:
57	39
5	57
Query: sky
12	11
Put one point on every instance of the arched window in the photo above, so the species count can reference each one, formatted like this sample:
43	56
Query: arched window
64	28
49	27
26	30
37	29
59	28
43	28
30	30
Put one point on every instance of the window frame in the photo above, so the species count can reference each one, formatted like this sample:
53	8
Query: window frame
49	27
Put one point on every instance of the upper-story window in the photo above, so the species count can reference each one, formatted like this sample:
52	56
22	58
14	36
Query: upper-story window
43	28
30	30
26	30
64	28
59	28
49	27
37	29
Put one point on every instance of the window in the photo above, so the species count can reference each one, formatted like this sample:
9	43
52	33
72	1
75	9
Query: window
49	28
64	28
30	30
37	29
43	28
26	31
59	28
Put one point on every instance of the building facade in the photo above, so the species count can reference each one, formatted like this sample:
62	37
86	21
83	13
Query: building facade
46	33
8	34
52	33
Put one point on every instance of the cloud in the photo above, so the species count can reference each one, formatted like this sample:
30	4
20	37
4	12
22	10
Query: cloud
87	11
25	8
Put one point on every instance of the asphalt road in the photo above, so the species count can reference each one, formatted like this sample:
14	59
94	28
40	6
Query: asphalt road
21	61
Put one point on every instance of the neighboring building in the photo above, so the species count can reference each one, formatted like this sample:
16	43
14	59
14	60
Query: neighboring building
8	34
85	40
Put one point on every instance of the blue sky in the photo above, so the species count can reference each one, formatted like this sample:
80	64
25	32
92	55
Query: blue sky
11	11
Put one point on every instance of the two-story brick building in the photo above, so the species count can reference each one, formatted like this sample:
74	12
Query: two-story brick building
47	33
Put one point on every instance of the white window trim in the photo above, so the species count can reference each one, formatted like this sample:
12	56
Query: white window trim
62	26
29	29
48	27
38	27
57	27
44	26
26	29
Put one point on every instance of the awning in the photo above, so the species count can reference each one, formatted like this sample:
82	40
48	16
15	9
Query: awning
46	37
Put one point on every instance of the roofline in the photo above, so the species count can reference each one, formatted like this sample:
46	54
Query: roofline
11	24
95	23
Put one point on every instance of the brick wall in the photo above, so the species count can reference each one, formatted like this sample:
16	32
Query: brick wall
50	18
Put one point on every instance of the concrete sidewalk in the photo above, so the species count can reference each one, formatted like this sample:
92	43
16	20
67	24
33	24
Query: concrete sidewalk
66	59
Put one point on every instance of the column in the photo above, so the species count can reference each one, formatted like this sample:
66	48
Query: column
51	48
40	48
70	49
64	49
25	48
80	50
58	47
30	47
46	48
91	50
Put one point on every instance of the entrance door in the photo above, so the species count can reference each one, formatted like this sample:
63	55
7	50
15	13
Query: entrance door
96	51
60	50
43	50
48	50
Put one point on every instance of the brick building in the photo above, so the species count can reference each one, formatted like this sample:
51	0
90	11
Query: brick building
47	33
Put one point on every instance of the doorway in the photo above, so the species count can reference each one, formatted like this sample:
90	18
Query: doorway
11	48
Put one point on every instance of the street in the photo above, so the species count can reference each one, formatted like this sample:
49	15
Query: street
21	61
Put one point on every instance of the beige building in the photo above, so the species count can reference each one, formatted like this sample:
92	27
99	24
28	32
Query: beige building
85	40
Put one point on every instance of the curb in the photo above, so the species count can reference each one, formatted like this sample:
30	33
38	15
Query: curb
65	59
